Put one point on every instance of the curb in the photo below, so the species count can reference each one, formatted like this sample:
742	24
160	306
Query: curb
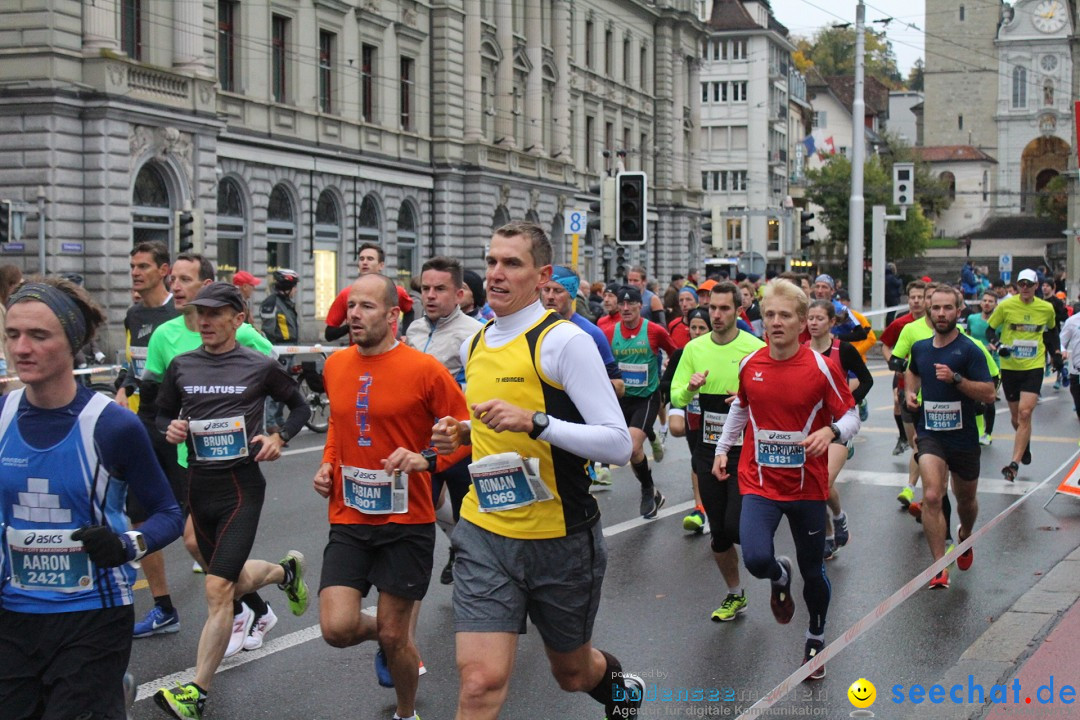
1011	639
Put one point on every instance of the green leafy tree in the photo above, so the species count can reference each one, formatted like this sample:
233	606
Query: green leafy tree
915	76
832	52
830	188
1053	201
931	192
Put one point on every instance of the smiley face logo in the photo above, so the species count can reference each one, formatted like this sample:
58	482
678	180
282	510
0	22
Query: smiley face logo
862	693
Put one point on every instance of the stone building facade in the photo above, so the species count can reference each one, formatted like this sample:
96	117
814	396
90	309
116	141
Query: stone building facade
297	130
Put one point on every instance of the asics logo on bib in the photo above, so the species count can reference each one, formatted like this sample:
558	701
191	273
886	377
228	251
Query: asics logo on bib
41	539
215	389
217	425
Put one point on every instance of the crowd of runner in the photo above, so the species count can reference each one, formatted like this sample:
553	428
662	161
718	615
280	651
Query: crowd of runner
491	407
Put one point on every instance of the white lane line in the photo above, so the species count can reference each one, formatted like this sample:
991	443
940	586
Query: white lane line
300	451
147	689
998	486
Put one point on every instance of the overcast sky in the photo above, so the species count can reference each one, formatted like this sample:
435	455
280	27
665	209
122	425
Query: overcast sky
802	18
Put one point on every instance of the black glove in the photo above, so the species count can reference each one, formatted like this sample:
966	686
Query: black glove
897	364
103	546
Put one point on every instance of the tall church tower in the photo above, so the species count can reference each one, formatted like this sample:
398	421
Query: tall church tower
961	76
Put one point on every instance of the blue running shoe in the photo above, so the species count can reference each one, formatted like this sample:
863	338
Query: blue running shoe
382	670
157	622
864	410
840	527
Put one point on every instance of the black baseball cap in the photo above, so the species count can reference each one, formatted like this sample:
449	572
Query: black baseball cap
629	293
219	294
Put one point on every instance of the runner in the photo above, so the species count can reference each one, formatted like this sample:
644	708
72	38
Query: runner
687	421
440	335
905	422
537	389
978	323
652	309
1027	326
190	274
222	425
787	473
610	305
558	295
636	343
820	319
375	470
679	328
709	369
950	370
371	258
70	457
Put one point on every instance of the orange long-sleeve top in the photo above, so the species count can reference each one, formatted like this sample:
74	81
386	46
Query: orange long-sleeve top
379	403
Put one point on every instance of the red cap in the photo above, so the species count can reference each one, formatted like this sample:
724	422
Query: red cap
243	277
926	278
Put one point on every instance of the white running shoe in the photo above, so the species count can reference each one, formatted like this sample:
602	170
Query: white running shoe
241	626
262	625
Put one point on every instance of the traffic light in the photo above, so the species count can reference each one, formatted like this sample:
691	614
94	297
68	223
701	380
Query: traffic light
805	229
5	221
715	226
189	230
903	192
620	263
605	209
631	224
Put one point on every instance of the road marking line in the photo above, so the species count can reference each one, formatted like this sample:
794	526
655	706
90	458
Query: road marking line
147	689
997	486
300	451
1002	436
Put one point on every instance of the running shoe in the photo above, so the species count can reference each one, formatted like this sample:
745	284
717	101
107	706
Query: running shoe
185	702
694	522
901	447
850	449
241	626
1009	471
197	568
813	648
940	581
840	528
262	625
733	605
421	671
382	669
657	448
1025	459
964	559
985	439
651	502
864	410
830	549
603	475
295	589
915	511
781	602
949	547
157	622
906	495
447	575
1057	383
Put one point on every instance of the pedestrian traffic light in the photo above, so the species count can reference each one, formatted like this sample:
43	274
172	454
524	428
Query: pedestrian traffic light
805	229
5	221
715	226
631	224
903	184
189	230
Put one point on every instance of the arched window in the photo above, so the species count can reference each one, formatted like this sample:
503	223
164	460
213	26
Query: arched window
407	250
368	226
327	224
327	246
950	181
280	229
231	229
151	213
1019	87
501	217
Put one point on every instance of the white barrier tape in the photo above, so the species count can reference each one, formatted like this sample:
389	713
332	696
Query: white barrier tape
898	308
98	369
886	606
301	349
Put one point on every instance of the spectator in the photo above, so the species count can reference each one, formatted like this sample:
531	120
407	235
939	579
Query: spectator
969	283
671	296
247	283
894	288
474	302
10	278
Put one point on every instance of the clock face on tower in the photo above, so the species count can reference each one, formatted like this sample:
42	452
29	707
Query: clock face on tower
1049	16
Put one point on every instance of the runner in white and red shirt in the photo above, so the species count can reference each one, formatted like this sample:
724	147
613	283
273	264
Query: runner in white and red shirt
787	472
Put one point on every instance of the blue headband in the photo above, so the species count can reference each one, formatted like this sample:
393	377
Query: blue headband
567	279
67	311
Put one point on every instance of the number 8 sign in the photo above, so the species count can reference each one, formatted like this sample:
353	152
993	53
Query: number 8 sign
575	222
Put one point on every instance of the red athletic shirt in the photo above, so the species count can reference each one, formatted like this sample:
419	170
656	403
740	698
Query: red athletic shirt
892	333
801	394
335	316
658	336
679	331
378	404
607	323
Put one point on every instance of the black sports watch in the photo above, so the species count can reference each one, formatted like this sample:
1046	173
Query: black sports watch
284	435
540	424
835	431
432	458
957	378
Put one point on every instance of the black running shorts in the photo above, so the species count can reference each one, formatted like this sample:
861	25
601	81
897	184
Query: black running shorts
394	557
640	412
720	498
963	463
1017	381
225	508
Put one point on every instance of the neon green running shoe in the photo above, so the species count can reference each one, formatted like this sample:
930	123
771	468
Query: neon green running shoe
733	605
906	496
948	549
185	702
295	589
694	522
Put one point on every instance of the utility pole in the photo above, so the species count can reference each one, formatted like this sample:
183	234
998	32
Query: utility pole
857	208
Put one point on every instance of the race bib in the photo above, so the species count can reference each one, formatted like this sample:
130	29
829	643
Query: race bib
694	408
217	440
507	481
780	448
48	560
712	426
1025	349
635	375
943	415
373	493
